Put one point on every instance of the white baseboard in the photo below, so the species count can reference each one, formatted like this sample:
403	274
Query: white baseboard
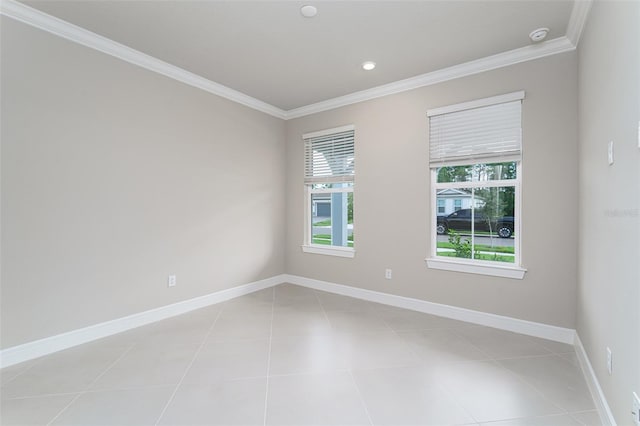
606	416
530	328
38	348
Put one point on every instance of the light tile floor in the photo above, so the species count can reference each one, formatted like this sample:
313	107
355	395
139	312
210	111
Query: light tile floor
289	355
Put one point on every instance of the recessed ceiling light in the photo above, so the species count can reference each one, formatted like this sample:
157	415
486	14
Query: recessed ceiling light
308	11
368	66
538	35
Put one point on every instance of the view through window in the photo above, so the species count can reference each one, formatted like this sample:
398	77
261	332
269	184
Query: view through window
478	221
475	159
329	182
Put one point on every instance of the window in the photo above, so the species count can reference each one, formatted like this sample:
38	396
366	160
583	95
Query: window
441	205
475	152
329	170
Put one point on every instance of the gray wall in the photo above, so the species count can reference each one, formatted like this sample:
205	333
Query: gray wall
391	199
113	177
609	256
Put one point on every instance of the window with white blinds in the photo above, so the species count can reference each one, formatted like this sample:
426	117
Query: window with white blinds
329	157
329	169
475	155
476	134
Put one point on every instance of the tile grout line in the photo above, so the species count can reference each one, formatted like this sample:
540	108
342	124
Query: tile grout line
523	380
91	384
173	394
324	311
266	393
517	376
43	395
571	414
353	379
22	372
441	386
364	404
478	348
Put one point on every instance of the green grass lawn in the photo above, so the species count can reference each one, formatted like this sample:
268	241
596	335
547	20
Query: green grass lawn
481	247
495	258
325	239
327	222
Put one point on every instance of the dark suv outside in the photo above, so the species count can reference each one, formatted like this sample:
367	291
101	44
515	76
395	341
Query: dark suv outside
461	221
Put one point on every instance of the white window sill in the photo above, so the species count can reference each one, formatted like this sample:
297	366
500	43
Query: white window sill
477	268
329	250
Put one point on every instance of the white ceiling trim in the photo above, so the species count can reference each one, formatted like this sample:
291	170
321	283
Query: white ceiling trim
578	19
523	54
64	29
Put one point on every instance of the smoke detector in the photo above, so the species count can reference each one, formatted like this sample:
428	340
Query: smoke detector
538	35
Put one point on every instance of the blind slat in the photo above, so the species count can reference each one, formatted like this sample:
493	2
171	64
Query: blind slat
329	158
493	131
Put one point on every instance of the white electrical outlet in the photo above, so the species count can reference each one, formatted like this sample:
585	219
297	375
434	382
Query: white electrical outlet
610	152
636	409
172	280
609	361
388	273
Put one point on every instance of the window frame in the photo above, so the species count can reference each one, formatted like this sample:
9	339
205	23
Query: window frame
308	246
475	266
484	267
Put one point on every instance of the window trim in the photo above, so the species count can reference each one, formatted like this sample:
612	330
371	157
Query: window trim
329	250
478	103
482	267
472	266
308	246
462	265
327	132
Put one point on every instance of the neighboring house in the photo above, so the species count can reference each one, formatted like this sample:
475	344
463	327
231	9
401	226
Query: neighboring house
321	205
451	200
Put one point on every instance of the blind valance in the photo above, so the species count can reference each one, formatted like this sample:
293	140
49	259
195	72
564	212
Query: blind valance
329	157
476	135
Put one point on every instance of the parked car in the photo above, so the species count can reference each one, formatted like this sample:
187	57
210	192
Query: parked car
461	221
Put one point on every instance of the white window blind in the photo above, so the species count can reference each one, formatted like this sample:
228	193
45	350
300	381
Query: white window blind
477	134
329	157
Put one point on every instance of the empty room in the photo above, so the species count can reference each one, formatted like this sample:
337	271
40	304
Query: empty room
320	213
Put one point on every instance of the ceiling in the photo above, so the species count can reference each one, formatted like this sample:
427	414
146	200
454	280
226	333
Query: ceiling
270	52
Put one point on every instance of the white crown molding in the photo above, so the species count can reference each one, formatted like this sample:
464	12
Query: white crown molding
529	328
500	60
578	19
48	345
43	21
53	25
606	416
